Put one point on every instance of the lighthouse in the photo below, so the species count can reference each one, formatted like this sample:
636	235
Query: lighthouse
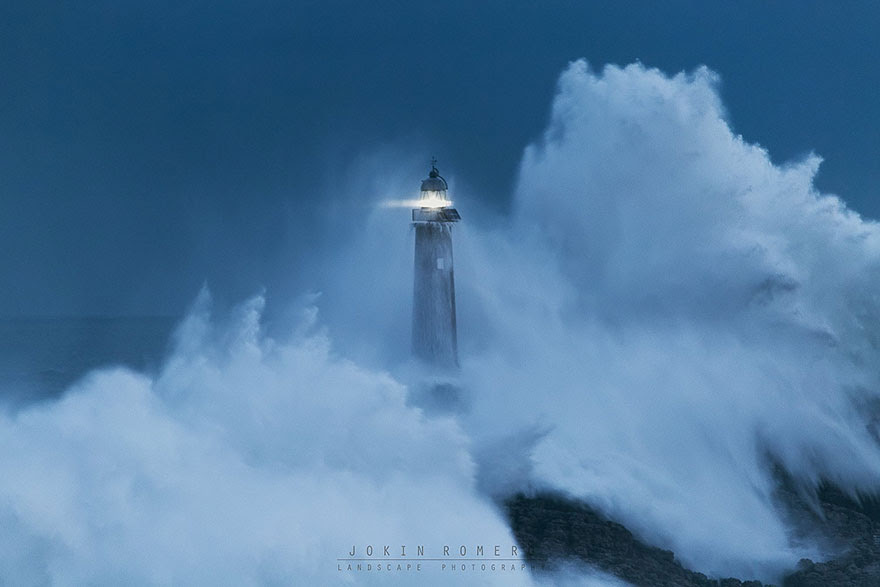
434	336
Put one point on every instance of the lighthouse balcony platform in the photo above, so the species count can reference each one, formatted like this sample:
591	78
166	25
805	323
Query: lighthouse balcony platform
435	215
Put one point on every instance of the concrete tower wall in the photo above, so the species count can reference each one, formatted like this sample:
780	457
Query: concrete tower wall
434	333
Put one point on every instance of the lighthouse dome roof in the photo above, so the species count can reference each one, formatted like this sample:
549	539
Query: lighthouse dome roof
434	183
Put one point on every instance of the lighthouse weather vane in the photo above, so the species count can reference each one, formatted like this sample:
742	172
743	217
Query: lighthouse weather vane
434	333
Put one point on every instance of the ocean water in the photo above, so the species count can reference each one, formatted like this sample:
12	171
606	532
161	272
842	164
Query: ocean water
643	342
41	357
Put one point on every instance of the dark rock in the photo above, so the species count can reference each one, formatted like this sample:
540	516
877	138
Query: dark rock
848	528
555	529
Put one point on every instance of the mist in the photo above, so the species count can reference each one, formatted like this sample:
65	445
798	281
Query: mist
676	310
663	313
246	460
664	316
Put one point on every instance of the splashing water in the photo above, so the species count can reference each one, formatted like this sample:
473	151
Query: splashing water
664	310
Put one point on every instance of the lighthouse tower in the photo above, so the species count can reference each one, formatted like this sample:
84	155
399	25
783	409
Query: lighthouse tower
434	337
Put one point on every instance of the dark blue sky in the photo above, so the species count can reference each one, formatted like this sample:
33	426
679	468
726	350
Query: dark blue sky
146	148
